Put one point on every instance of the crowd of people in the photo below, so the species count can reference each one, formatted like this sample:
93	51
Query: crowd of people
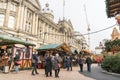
53	62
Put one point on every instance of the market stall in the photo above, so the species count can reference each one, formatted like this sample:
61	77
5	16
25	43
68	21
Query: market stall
55	47
9	46
85	52
52	49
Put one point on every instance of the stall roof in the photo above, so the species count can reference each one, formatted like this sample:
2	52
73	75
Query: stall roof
74	51
54	46
86	51
49	46
5	40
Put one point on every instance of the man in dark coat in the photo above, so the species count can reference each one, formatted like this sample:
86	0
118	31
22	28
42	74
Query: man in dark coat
34	63
89	62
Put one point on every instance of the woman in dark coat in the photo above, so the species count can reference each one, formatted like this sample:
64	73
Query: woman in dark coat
89	62
68	63
48	65
56	67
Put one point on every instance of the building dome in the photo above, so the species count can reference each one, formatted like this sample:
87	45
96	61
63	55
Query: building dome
47	12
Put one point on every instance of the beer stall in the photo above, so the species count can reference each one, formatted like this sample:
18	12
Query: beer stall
9	46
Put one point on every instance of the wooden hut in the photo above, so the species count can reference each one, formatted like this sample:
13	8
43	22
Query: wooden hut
11	45
52	49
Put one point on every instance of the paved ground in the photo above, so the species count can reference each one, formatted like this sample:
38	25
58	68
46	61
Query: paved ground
96	74
64	75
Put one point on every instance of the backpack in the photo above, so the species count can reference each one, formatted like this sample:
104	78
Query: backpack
80	61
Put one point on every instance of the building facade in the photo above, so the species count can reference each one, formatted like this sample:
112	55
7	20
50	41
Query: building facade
26	20
82	41
115	34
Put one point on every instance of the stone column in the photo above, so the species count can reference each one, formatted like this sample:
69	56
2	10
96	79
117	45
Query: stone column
58	37
36	25
7	15
38	30
33	25
21	17
52	35
18	11
47	31
43	29
55	36
24	18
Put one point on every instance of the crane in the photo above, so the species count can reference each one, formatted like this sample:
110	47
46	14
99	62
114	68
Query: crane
88	26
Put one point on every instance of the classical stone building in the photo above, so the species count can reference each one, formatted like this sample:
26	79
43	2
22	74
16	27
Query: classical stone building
115	34
26	20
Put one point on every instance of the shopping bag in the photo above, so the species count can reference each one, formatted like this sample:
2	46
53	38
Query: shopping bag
19	62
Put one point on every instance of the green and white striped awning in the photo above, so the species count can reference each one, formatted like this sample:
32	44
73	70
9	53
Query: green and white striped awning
6	40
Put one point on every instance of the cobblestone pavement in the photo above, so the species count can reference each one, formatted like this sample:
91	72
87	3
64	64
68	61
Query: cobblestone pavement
64	75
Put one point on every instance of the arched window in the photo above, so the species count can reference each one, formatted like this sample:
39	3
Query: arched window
11	22
2	16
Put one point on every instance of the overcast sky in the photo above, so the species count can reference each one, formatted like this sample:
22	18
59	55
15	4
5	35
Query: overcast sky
74	10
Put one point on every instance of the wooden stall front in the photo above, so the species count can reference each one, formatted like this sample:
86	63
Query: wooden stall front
9	46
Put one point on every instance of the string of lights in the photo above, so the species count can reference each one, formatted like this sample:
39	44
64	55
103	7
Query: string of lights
100	30
80	34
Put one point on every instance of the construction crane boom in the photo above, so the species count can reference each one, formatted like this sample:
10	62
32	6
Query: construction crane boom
88	26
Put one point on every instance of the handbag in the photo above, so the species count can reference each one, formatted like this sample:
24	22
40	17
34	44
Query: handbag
19	62
59	65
